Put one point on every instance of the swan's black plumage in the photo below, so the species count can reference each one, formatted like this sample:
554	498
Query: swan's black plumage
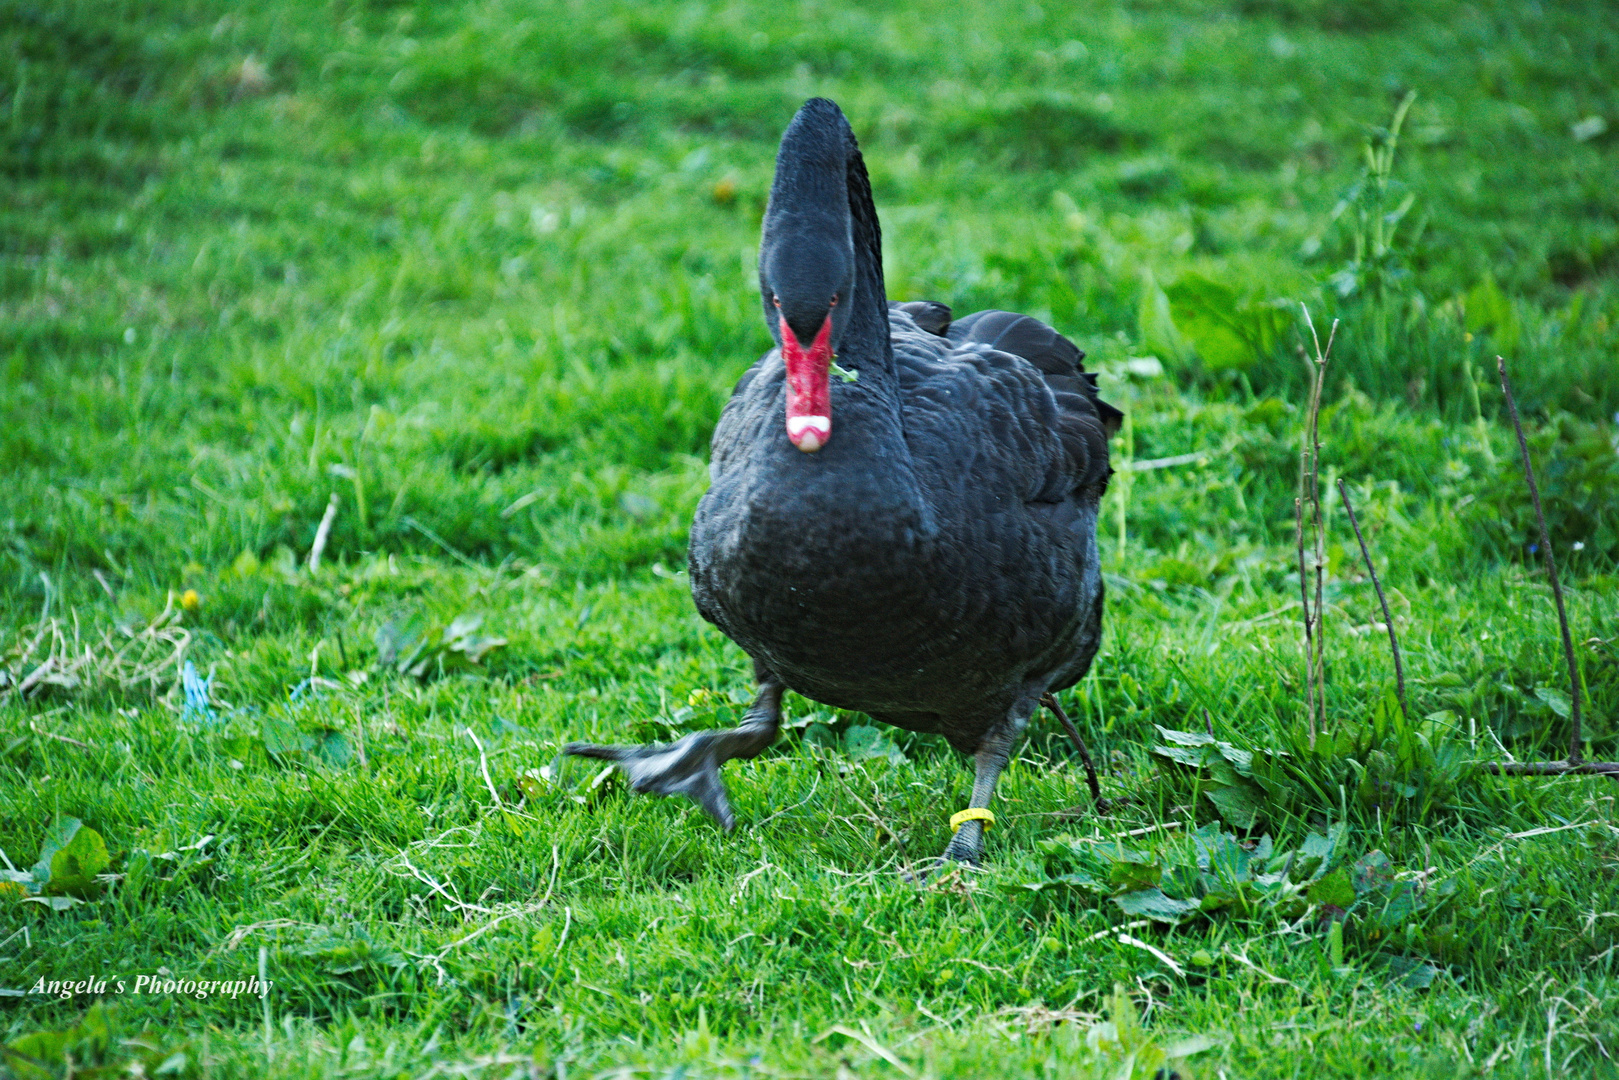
934	565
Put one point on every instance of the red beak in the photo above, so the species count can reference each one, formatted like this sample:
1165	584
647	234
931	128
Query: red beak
809	391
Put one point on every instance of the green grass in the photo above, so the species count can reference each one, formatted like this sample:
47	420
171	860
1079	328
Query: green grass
484	272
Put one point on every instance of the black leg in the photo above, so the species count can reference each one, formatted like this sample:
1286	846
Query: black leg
1050	702
989	760
691	766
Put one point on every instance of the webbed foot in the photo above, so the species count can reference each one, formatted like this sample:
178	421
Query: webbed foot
935	869
691	766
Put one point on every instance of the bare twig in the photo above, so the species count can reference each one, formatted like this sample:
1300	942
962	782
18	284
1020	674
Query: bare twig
241	933
1551	570
869	1043
486	927
1050	702
1315	688
441	542
264	980
48	655
869	814
1388	619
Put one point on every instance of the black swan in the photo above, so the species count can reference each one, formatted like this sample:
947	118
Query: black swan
902	517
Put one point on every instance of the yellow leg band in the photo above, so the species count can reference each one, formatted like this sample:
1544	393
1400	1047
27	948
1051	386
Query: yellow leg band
972	813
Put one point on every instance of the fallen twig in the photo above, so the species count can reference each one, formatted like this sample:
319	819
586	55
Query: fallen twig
1168	960
1110	931
241	933
1242	959
35	728
1554	768
486	927
455	903
1196	457
1388	619
1552	829
47	655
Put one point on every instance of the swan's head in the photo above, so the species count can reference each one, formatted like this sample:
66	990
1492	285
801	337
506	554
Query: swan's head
806	279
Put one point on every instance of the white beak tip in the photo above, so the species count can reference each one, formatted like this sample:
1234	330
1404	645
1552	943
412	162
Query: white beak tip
809	433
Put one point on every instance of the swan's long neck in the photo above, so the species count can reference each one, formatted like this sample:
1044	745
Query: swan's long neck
821	192
870	319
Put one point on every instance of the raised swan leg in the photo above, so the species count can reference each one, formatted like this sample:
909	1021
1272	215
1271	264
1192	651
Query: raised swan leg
691	766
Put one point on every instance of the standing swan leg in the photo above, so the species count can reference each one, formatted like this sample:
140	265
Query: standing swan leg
989	760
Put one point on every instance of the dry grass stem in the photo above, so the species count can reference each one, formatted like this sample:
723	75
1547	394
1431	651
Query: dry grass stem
322	532
53	656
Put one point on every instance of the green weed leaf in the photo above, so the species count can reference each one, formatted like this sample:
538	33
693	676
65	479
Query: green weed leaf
70	857
282	737
1159	334
75	866
1555	699
1409	973
864	741
55	903
1153	904
422	652
1334	889
1318	854
1372	873
1240	804
333	747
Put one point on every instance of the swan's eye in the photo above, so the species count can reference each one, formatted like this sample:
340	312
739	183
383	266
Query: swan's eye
774	299
834	302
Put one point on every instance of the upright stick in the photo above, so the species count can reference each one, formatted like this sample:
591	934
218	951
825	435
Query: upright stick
1388	620
1575	739
1309	635
1315	656
1050	702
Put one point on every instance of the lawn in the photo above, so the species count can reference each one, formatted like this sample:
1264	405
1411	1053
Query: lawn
462	286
